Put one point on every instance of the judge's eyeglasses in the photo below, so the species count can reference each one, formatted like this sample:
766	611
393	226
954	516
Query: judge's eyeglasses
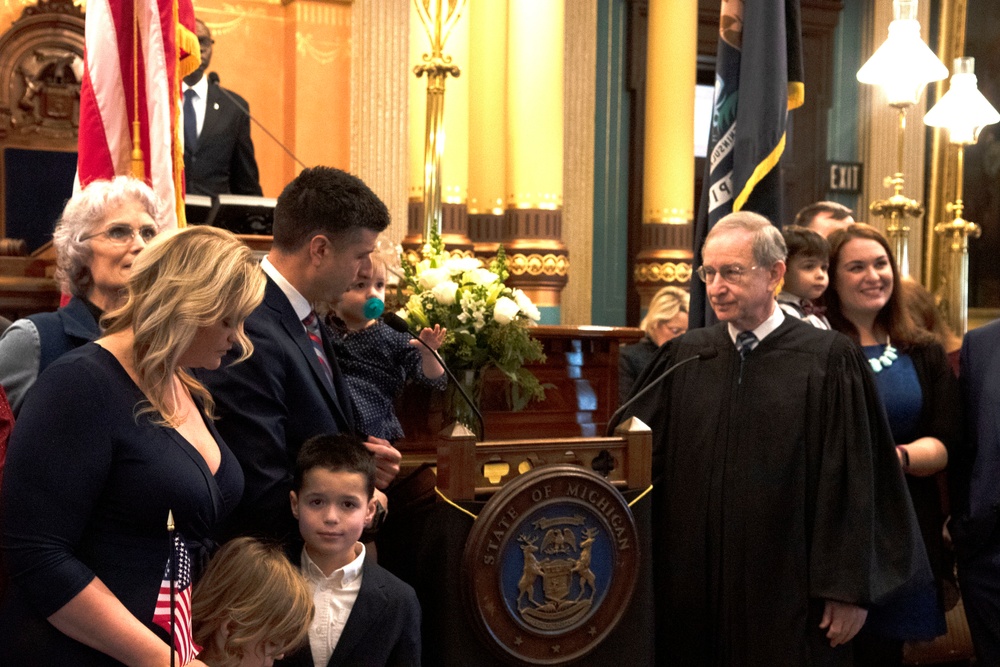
730	273
121	233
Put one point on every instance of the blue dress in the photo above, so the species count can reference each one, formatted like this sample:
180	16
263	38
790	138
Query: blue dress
377	362
916	614
85	494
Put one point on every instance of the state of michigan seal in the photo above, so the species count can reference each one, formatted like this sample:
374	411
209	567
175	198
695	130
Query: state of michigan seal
551	564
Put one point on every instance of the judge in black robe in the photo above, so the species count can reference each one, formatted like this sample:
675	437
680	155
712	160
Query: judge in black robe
776	486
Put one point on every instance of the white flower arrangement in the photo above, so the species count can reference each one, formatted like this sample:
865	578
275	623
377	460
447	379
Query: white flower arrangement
488	323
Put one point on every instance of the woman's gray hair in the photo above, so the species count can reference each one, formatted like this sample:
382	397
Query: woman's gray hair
665	305
767	244
84	213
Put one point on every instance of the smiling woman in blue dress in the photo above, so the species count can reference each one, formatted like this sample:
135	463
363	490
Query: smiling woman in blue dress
115	434
920	394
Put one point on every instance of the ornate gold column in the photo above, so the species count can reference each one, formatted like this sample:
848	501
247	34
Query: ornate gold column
439	137
942	182
487	123
532	230
668	176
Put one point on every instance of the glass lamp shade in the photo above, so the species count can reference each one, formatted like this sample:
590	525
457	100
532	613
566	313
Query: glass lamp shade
963	110
904	64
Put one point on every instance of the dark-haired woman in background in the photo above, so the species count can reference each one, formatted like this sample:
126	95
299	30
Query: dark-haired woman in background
920	395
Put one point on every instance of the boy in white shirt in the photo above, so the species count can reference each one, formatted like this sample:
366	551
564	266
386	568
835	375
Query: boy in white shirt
364	614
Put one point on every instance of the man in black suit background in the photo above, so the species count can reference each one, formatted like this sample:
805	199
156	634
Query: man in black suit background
218	150
291	389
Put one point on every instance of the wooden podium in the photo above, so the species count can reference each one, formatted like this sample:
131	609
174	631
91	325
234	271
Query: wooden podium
440	512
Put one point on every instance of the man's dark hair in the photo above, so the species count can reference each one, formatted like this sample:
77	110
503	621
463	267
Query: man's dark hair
836	210
328	201
336	453
805	242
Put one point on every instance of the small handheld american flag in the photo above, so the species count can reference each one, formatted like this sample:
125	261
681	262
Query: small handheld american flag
181	630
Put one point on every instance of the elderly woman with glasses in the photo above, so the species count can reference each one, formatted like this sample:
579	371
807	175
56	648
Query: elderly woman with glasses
101	230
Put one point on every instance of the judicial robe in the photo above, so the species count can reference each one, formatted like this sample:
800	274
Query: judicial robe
777	487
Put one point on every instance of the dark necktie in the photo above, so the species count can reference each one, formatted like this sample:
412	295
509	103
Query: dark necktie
190	122
311	323
745	342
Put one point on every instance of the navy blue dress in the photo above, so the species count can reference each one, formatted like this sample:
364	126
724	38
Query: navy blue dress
377	362
85	494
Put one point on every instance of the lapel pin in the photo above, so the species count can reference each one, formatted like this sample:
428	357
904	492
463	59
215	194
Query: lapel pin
216	106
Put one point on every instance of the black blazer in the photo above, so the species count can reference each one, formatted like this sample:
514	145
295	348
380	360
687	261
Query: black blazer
268	406
224	161
383	628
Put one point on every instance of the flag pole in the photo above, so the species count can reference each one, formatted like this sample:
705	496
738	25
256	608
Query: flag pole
173	587
138	161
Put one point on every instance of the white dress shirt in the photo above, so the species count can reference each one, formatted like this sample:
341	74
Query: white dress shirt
764	328
334	598
300	304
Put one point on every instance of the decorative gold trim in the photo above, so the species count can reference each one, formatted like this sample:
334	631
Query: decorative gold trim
668	216
535	264
665	272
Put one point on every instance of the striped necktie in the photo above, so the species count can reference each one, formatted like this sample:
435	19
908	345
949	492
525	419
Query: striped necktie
311	323
745	342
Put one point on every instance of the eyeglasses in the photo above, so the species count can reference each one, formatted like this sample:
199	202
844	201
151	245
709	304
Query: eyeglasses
122	234
730	273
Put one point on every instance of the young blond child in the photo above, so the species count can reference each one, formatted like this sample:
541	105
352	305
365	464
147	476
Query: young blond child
807	276
364	614
376	360
250	607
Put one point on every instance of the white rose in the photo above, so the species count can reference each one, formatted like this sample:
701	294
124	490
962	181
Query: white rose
505	310
444	292
481	277
462	264
430	278
526	306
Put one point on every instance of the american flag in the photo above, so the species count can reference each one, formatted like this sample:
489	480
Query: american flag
113	88
183	639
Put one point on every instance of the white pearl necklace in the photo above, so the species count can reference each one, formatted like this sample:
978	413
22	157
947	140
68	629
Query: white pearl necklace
886	358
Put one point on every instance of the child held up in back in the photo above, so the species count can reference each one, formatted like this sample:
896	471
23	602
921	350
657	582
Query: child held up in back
378	361
364	614
807	276
250	607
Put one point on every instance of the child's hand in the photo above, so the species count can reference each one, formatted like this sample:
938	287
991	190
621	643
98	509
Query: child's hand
432	337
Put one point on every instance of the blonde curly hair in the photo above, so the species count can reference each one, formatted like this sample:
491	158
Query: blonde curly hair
181	282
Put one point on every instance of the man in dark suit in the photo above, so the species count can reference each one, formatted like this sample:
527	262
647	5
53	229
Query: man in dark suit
975	468
325	225
218	151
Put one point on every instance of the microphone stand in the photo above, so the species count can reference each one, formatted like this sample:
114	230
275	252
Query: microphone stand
707	353
213	78
399	324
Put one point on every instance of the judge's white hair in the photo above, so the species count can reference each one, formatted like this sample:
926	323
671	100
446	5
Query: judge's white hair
767	244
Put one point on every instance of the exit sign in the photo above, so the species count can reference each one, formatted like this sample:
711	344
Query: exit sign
845	177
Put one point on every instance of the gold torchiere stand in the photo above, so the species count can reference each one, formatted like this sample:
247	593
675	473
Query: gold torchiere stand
438	17
964	112
901	67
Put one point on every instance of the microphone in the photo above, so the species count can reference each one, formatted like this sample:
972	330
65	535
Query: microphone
399	324
213	78
703	355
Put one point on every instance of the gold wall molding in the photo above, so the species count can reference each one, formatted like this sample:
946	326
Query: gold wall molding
535	264
663	272
380	75
323	52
